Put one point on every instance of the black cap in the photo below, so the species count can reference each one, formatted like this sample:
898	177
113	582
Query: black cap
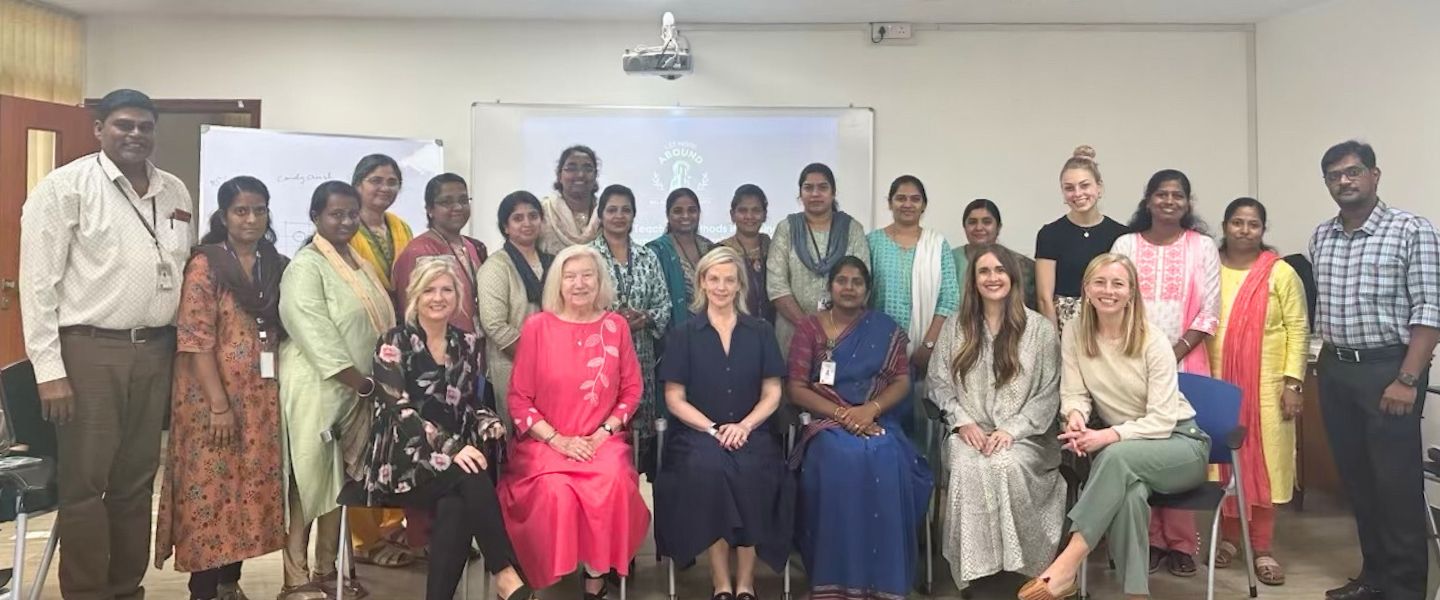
123	98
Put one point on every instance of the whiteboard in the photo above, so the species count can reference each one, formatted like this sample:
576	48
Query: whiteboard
293	164
653	150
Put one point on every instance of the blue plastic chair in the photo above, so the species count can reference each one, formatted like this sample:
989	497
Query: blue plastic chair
1217	412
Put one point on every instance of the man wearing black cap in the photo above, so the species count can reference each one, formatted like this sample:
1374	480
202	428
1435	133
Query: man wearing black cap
103	244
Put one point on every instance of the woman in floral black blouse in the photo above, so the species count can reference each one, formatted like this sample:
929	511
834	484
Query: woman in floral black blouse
429	428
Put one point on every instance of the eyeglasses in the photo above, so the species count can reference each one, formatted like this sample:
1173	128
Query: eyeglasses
453	202
382	182
1351	173
578	169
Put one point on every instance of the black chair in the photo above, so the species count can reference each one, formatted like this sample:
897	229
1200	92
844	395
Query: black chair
27	472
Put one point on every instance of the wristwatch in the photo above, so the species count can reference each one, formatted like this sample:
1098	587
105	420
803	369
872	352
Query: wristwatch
1295	387
1407	379
607	428
929	345
714	430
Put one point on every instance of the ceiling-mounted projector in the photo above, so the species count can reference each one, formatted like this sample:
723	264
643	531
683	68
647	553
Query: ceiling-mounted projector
670	59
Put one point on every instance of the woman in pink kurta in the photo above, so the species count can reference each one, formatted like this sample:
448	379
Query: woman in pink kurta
570	495
1179	270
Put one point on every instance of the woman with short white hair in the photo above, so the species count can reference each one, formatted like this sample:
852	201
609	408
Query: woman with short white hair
570	496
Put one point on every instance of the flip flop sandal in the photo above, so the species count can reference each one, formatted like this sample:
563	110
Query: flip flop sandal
1225	554
385	554
1181	564
1268	571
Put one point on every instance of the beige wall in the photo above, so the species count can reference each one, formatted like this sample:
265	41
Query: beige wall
1366	69
975	112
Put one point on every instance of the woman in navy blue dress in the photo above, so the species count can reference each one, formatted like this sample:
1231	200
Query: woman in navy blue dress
723	483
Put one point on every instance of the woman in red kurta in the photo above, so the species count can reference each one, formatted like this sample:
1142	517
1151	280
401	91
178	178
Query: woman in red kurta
570	495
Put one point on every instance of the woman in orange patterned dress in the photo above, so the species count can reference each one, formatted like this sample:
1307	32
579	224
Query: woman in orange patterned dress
220	500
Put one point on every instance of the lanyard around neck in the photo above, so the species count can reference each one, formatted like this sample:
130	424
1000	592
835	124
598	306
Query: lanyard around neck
154	215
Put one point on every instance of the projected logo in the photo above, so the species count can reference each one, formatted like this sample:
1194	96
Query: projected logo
681	165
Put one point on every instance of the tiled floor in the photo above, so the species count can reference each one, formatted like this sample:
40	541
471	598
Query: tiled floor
1317	547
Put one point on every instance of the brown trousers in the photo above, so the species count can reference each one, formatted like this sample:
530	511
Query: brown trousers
109	452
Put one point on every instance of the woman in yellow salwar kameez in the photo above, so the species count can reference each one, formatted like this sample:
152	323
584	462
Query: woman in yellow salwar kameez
1260	346
382	236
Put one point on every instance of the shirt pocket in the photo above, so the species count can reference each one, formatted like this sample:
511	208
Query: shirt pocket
1382	280
175	238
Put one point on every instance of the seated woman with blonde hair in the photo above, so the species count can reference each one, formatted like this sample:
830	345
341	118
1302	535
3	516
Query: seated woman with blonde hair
1119	366
570	494
430	426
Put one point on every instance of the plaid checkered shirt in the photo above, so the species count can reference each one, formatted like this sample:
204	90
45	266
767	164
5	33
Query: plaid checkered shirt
1377	281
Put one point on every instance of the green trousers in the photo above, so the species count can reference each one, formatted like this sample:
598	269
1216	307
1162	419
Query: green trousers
1113	502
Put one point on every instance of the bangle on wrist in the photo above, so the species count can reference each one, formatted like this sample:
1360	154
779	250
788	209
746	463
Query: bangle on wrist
553	433
1188	345
370	392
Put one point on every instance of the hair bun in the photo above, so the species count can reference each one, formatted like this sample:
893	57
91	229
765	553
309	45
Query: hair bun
1084	151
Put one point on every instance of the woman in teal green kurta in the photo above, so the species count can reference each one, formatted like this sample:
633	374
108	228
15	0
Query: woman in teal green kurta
915	284
679	250
334	308
640	297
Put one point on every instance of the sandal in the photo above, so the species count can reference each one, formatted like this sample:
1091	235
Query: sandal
1225	554
1038	589
1268	570
604	586
386	554
353	589
1157	558
304	591
723	596
746	596
1181	564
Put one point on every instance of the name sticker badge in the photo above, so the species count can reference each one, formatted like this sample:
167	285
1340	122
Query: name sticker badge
827	372
165	276
267	365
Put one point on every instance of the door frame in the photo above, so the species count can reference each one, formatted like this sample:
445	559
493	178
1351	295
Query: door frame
250	106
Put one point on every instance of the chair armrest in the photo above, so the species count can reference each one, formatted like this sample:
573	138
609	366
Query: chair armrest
1236	439
933	411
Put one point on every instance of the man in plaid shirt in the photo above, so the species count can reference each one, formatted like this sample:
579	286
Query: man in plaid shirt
1378	311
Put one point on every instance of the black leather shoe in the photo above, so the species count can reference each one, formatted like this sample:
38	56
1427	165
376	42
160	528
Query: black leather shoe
1355	590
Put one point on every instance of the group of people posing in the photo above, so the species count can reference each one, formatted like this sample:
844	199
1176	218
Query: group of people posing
511	401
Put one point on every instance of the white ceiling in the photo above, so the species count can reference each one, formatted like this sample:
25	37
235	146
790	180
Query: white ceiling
728	11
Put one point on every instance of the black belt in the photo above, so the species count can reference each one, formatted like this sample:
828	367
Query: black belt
1363	355
138	335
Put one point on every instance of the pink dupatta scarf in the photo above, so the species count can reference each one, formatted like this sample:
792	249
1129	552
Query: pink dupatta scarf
1240	365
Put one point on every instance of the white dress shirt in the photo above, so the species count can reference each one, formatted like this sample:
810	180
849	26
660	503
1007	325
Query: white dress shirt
87	259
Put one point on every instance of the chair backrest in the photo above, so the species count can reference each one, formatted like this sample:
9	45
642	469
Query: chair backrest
20	398
1217	411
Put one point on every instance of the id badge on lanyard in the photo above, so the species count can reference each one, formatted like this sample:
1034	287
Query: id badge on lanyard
267	357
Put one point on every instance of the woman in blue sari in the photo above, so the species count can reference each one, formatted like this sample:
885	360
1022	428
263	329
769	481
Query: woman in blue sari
679	250
863	487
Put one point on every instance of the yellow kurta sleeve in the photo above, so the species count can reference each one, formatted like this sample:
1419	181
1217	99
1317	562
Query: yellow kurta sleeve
1290	301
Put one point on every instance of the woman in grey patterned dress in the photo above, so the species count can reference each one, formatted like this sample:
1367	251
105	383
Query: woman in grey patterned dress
997	384
640	297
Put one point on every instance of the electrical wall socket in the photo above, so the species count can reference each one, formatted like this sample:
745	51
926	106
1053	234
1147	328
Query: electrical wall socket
881	32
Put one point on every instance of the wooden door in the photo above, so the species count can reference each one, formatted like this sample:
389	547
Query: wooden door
24	124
